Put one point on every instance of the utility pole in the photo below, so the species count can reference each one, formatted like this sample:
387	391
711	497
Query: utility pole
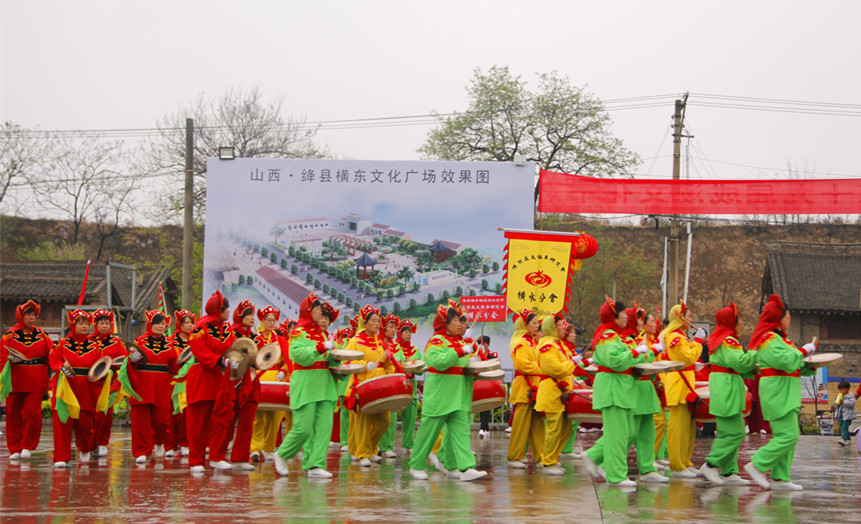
188	226
675	240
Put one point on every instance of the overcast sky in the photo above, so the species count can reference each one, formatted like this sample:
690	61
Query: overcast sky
111	65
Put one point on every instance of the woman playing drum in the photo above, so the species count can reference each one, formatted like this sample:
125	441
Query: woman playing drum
526	425
558	368
388	334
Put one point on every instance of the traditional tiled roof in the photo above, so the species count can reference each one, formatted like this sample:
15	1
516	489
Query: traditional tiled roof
365	260
287	286
814	277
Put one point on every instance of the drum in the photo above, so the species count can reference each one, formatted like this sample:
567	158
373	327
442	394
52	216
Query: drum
496	374
346	354
591	369
481	366
99	369
487	395
580	406
820	360
386	393
274	396
701	411
659	366
348	369
415	367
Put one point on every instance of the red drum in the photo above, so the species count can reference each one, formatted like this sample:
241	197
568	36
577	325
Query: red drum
580	406
386	393
487	395
701	410
274	396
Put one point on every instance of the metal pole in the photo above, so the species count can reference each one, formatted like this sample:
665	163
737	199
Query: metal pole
688	262
188	226
108	278
664	283
674	224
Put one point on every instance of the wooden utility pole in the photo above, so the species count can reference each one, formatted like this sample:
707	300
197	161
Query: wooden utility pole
188	226
675	240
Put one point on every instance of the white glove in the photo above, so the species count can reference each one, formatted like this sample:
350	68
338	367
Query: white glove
642	349
810	347
701	334
467	349
699	365
589	361
230	364
234	365
134	357
659	347
370	366
280	376
329	344
468	333
577	359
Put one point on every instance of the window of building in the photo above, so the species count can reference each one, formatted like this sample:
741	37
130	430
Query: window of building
841	327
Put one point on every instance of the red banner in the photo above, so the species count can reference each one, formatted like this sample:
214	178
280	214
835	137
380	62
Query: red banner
485	309
564	193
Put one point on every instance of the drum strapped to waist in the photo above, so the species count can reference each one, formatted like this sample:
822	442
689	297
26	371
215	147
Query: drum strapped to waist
274	396
819	360
481	366
414	367
579	406
495	375
392	392
348	369
487	394
345	354
701	410
657	367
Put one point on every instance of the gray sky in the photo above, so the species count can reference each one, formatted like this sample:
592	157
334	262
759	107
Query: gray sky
109	65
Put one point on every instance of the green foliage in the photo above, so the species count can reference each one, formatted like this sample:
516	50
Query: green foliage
294	269
396	308
309	278
430	299
384	311
241	279
273	257
495	266
485	285
49	250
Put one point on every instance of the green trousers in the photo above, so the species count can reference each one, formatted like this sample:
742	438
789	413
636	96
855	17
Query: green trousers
408	423
778	454
344	427
611	450
312	429
724	453
644	440
569	446
456	427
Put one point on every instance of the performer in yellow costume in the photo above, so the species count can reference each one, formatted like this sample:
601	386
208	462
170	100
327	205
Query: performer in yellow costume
526	425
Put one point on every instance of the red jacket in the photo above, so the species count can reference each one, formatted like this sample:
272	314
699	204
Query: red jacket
30	376
81	353
151	377
205	378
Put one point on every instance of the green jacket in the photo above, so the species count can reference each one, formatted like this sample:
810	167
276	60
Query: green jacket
310	385
647	402
779	395
726	391
444	394
401	357
614	389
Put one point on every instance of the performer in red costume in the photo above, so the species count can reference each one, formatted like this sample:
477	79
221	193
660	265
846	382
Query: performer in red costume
209	389
28	380
110	345
177	442
150	374
81	352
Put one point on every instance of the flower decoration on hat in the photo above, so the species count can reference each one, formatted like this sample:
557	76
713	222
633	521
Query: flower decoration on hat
366	312
261	313
73	315
407	323
99	313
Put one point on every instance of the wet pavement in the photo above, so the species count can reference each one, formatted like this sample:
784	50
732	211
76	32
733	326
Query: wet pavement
115	489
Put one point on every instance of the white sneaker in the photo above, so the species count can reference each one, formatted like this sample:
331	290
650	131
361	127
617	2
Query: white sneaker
221	464
665	462
657	465
763	432
84	456
554	470
452	474
842	442
14	456
516	464
183	450
197	469
389	454
472	474
25	454
627	483
483	434
418	474
602	472
711	474
683	474
654	477
508	429
590	465
735	480
345	449
170	453
59	464
103	451
243	466
756	475
365	462
158	450
693	470
783	485
281	466
569	455
376	459
255	456
318	473
333	444
434	459
141	459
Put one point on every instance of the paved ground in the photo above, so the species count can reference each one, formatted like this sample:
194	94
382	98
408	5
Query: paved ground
115	489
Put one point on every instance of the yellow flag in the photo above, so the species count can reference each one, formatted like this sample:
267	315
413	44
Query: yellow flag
67	402
103	403
538	268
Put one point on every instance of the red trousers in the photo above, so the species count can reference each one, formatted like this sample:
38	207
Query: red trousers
150	425
23	421
102	423
244	427
177	437
85	439
209	424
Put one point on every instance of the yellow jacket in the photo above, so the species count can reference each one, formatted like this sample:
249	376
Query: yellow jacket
526	364
374	352
684	350
555	362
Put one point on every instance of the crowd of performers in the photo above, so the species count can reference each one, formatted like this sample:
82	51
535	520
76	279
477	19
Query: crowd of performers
198	406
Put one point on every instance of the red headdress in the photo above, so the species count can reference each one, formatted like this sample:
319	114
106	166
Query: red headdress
21	309
151	315
521	318
74	314
244	308
354	323
214	306
364	314
391	317
305	310
725	320
608	315
285	326
442	315
181	314
344	334
769	320
333	313
261	313
630	329
406	324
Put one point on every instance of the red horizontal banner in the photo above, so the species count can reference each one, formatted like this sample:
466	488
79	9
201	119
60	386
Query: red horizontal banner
564	193
485	309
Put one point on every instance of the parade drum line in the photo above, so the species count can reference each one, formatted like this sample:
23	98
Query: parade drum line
415	367
480	366
487	395
274	396
348	369
99	369
580	406
386	393
346	354
657	367
819	360
702	412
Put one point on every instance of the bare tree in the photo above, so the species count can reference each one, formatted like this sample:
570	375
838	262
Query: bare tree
253	126
21	151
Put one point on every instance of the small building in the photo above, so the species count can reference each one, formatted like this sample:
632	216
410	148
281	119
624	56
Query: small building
304	224
354	224
283	292
441	251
